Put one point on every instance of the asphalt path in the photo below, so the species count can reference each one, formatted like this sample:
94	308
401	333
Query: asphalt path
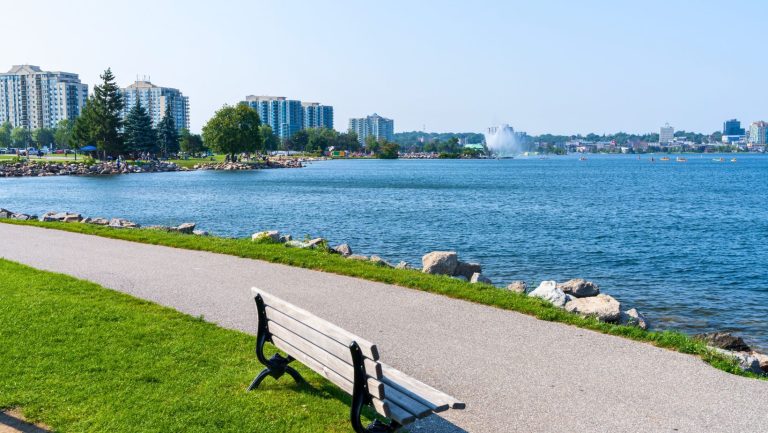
516	373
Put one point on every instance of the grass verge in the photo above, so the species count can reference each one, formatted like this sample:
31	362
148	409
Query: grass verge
443	285
80	357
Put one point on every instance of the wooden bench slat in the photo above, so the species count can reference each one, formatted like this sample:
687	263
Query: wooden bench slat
372	368
375	388
418	409
393	411
418	390
341	335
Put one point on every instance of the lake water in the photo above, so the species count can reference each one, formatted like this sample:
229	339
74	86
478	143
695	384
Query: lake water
685	243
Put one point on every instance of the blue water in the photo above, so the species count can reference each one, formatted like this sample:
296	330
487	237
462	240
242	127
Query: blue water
685	243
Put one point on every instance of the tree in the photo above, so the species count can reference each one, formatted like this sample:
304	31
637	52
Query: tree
388	150
190	143
298	141
21	137
233	130
5	134
64	134
105	121
167	134
371	144
83	130
138	134
43	137
269	140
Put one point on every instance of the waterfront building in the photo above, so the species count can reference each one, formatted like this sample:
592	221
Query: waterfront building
285	116
732	127
32	98
758	133
317	115
373	125
154	99
666	134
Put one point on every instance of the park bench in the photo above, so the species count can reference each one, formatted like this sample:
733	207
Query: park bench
345	359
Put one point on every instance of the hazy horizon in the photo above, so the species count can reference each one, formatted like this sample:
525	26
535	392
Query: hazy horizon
553	67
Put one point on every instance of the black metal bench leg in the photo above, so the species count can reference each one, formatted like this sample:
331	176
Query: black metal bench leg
257	381
295	375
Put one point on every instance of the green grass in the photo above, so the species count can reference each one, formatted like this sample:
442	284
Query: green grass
191	162
443	285
80	357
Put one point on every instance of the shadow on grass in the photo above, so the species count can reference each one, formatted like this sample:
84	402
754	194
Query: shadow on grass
12	422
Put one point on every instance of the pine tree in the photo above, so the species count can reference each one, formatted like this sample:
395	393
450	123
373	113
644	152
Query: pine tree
138	134
167	134
106	121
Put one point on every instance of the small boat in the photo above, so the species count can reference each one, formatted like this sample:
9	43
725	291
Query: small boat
680	159
582	158
665	158
718	159
733	159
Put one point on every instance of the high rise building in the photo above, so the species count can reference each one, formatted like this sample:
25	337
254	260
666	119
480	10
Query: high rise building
758	133
666	134
732	127
317	115
285	116
154	99
32	98
374	125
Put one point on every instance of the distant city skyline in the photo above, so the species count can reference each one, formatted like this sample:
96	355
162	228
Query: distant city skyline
551	67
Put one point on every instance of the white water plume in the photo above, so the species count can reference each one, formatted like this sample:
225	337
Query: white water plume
502	141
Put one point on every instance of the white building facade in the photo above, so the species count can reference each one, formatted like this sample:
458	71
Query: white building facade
666	134
154	99
32	98
373	125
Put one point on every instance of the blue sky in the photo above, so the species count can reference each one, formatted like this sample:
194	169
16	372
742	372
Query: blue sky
542	66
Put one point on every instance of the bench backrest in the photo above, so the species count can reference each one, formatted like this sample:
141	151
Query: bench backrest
325	348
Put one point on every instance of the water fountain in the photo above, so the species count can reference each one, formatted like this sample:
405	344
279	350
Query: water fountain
503	141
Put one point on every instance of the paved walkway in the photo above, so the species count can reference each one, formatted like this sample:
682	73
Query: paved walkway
516	373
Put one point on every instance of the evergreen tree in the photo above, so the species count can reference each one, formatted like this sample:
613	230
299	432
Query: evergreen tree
167	134
106	121
83	131
138	134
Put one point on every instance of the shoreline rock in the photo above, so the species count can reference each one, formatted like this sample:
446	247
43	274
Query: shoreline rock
603	307
440	263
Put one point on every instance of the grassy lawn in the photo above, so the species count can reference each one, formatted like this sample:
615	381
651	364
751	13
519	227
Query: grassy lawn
191	162
80	357
443	285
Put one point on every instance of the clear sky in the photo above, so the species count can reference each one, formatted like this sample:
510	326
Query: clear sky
542	66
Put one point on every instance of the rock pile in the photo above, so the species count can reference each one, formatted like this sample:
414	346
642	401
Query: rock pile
118	223
735	347
448	263
264	164
38	168
584	298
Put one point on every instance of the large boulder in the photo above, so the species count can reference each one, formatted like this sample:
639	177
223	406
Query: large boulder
579	288
440	262
200	233
747	361
96	221
603	307
466	269
5	213
548	291
518	287
381	262
186	228
477	277
72	218
763	359
343	249
316	242
402	265
23	217
120	223
724	340
632	317
358	257
266	236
